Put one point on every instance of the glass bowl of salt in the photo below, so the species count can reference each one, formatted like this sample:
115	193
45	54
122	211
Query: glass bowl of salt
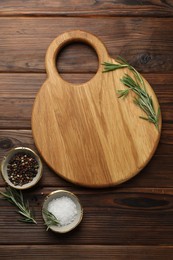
62	211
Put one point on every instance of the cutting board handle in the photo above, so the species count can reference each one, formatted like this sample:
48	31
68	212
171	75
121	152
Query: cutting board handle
69	37
84	132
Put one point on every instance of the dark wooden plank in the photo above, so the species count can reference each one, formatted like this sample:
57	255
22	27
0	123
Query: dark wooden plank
88	8
111	217
10	139
27	84
54	252
146	43
158	173
117	221
17	93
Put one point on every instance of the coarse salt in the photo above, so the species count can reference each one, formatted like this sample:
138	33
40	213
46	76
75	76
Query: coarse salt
64	209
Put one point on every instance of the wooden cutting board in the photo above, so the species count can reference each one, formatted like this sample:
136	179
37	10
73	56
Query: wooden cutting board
84	132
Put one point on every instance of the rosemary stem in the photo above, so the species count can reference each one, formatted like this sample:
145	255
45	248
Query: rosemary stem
16	198
137	85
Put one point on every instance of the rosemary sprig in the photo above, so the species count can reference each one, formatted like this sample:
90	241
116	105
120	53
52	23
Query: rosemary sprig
123	93
16	198
50	219
137	85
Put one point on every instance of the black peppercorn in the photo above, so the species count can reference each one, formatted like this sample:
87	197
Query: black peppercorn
22	168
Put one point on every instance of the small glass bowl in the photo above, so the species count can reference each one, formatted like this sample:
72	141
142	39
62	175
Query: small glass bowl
58	194
9	156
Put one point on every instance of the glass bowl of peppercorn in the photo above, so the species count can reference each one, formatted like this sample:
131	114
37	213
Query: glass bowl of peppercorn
21	168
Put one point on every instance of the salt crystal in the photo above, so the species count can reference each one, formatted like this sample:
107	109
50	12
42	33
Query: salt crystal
64	209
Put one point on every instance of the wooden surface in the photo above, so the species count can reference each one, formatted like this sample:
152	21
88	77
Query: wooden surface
133	220
84	132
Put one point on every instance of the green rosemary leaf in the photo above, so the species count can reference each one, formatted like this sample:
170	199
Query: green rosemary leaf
138	80
158	113
151	119
137	85
145	118
25	220
136	101
16	198
123	93
122	60
135	72
112	66
50	219
4	194
25	214
141	105
129	82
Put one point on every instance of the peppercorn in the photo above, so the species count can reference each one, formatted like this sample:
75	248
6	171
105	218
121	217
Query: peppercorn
22	169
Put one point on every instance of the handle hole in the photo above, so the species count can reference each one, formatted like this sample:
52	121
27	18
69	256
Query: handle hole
77	62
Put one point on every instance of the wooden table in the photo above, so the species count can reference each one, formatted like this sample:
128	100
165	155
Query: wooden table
133	220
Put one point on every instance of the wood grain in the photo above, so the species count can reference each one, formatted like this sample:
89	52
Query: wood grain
82	131
16	88
88	8
158	173
135	216
133	220
146	44
37	252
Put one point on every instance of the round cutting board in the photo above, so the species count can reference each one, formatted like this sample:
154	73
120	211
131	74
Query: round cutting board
84	132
